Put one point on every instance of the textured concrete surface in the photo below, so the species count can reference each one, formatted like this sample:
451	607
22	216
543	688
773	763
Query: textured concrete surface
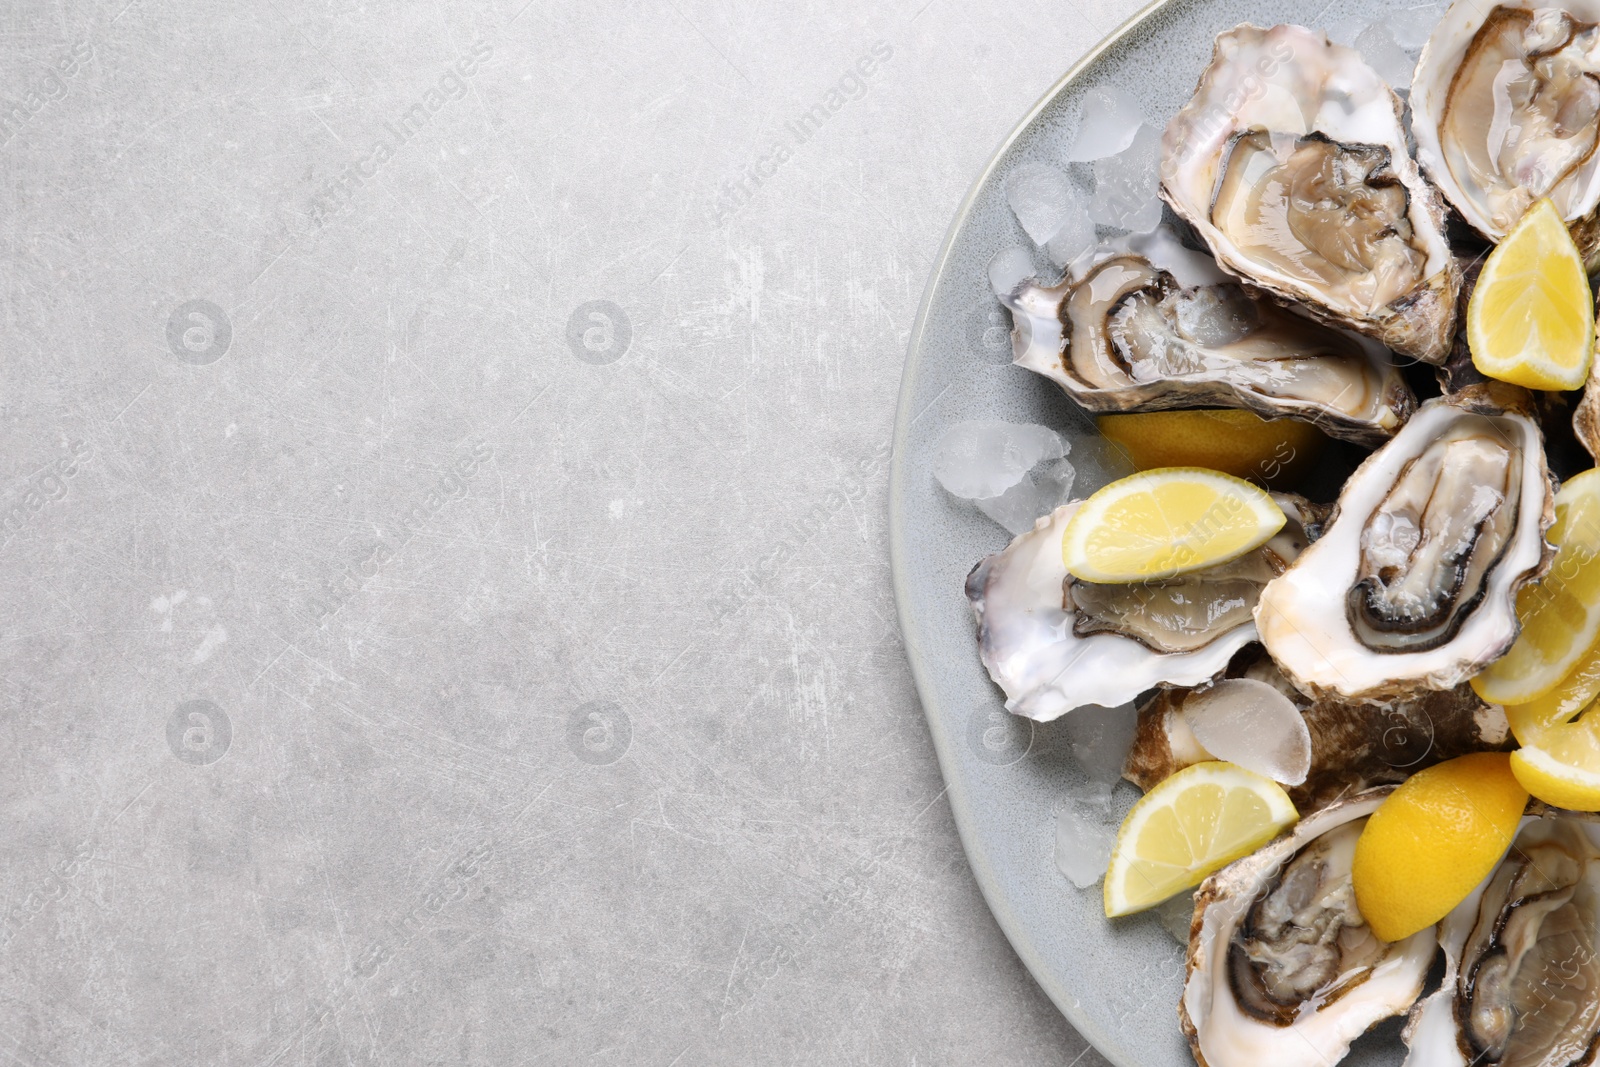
444	582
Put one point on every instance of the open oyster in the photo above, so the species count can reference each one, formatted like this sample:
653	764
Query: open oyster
1413	583
1522	960
1282	969
1506	109
1054	644
1354	747
1292	163
1128	337
1586	420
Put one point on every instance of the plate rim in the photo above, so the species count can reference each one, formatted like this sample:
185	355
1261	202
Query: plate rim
916	656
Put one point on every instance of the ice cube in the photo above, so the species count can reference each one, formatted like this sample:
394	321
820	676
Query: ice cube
1009	268
1346	31
1125	185
1041	490
1042	199
1110	119
1097	462
1162	248
1254	725
1086	833
1383	53
1100	740
1412	26
1074	241
1176	915
981	460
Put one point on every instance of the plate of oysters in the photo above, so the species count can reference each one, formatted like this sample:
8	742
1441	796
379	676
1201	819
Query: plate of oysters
1246	534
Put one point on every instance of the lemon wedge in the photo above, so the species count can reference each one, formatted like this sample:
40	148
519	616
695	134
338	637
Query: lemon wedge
1277	452
1433	840
1162	523
1560	615
1191	824
1531	318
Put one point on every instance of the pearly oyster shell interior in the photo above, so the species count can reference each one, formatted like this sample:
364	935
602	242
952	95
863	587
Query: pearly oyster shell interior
1292	163
1506	109
1128	337
1413	583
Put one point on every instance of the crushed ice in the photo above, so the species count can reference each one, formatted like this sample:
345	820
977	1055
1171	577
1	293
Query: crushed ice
1378	46
1411	26
1051	210
1086	826
1251	723
1391	45
1126	184
1110	119
1013	473
1162	248
1041	197
1009	268
1074	241
1097	462
1175	915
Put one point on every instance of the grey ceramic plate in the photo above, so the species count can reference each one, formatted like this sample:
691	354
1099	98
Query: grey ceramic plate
1119	982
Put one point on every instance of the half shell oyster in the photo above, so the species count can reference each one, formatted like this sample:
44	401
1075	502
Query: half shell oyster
1282	969
1506	110
1291	162
1054	645
1413	583
1128	337
1522	960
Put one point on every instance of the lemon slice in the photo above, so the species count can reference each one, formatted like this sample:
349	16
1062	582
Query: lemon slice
1433	840
1531	318
1560	615
1191	824
1277	453
1165	522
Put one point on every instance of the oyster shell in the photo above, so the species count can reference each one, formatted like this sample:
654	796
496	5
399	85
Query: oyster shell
1413	583
1522	960
1128	337
1281	968
1506	109
1354	747
1053	644
1291	162
1586	420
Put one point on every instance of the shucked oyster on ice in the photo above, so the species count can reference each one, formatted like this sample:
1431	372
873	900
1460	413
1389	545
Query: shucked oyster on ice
1128	337
1522	960
1292	163
1282	969
1054	644
1413	583
1506	109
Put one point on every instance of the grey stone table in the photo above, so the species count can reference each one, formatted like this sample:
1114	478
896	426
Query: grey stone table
446	609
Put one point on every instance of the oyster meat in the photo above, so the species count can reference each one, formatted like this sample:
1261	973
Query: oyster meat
1413	583
1522	960
1291	162
1129	337
1354	747
1054	644
1506	110
1282	969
